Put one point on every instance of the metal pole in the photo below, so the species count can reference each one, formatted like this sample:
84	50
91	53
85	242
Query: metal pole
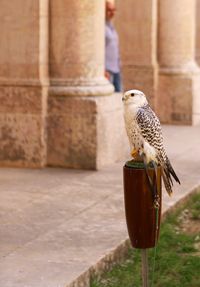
145	268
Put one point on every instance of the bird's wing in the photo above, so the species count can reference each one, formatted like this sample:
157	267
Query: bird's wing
150	127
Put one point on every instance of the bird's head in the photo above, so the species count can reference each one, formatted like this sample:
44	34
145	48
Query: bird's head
134	97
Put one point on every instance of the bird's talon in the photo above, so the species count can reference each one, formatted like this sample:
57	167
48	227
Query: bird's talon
134	153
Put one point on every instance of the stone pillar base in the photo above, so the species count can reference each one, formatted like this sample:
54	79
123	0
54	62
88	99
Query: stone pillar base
22	126
178	96
86	132
142	78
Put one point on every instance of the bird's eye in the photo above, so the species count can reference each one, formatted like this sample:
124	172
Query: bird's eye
132	95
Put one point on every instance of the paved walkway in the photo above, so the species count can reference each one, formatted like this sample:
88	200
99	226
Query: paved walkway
58	225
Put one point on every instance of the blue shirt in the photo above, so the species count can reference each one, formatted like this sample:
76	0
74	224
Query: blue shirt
112	62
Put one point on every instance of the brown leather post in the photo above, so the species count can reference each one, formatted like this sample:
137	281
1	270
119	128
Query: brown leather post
139	205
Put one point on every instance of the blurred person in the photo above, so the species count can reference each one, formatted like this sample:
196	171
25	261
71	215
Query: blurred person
112	58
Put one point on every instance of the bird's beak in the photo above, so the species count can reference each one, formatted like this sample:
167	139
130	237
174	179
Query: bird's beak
123	99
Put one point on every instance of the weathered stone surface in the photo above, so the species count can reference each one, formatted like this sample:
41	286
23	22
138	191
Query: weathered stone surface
142	78
196	100
112	140
23	100
71	132
179	103
77	53
22	126
178	88
77	69
19	48
23	82
176	34
21	140
85	132
137	26
175	105
197	48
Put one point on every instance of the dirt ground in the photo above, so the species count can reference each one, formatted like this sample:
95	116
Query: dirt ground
189	225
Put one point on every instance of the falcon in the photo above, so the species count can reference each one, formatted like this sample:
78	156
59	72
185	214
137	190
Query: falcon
145	135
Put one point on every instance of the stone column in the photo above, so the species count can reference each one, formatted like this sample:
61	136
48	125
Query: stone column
179	76
198	31
137	25
23	82
77	48
85	123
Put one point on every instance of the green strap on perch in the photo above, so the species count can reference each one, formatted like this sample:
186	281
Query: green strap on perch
137	164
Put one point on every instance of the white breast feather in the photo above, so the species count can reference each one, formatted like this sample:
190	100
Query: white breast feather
134	134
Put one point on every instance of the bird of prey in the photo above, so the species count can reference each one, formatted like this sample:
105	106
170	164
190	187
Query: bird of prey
145	135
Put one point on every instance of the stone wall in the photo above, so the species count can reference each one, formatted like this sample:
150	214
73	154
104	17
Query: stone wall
23	91
136	22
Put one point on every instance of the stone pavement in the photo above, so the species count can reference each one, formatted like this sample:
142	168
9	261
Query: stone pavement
60	226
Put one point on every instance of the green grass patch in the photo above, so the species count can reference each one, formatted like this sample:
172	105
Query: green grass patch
177	255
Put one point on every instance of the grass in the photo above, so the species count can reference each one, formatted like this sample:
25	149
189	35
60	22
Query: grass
177	255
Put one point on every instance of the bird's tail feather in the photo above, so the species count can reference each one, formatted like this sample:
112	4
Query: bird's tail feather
171	171
167	174
167	183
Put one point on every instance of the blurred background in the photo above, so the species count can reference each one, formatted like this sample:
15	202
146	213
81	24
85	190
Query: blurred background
57	108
